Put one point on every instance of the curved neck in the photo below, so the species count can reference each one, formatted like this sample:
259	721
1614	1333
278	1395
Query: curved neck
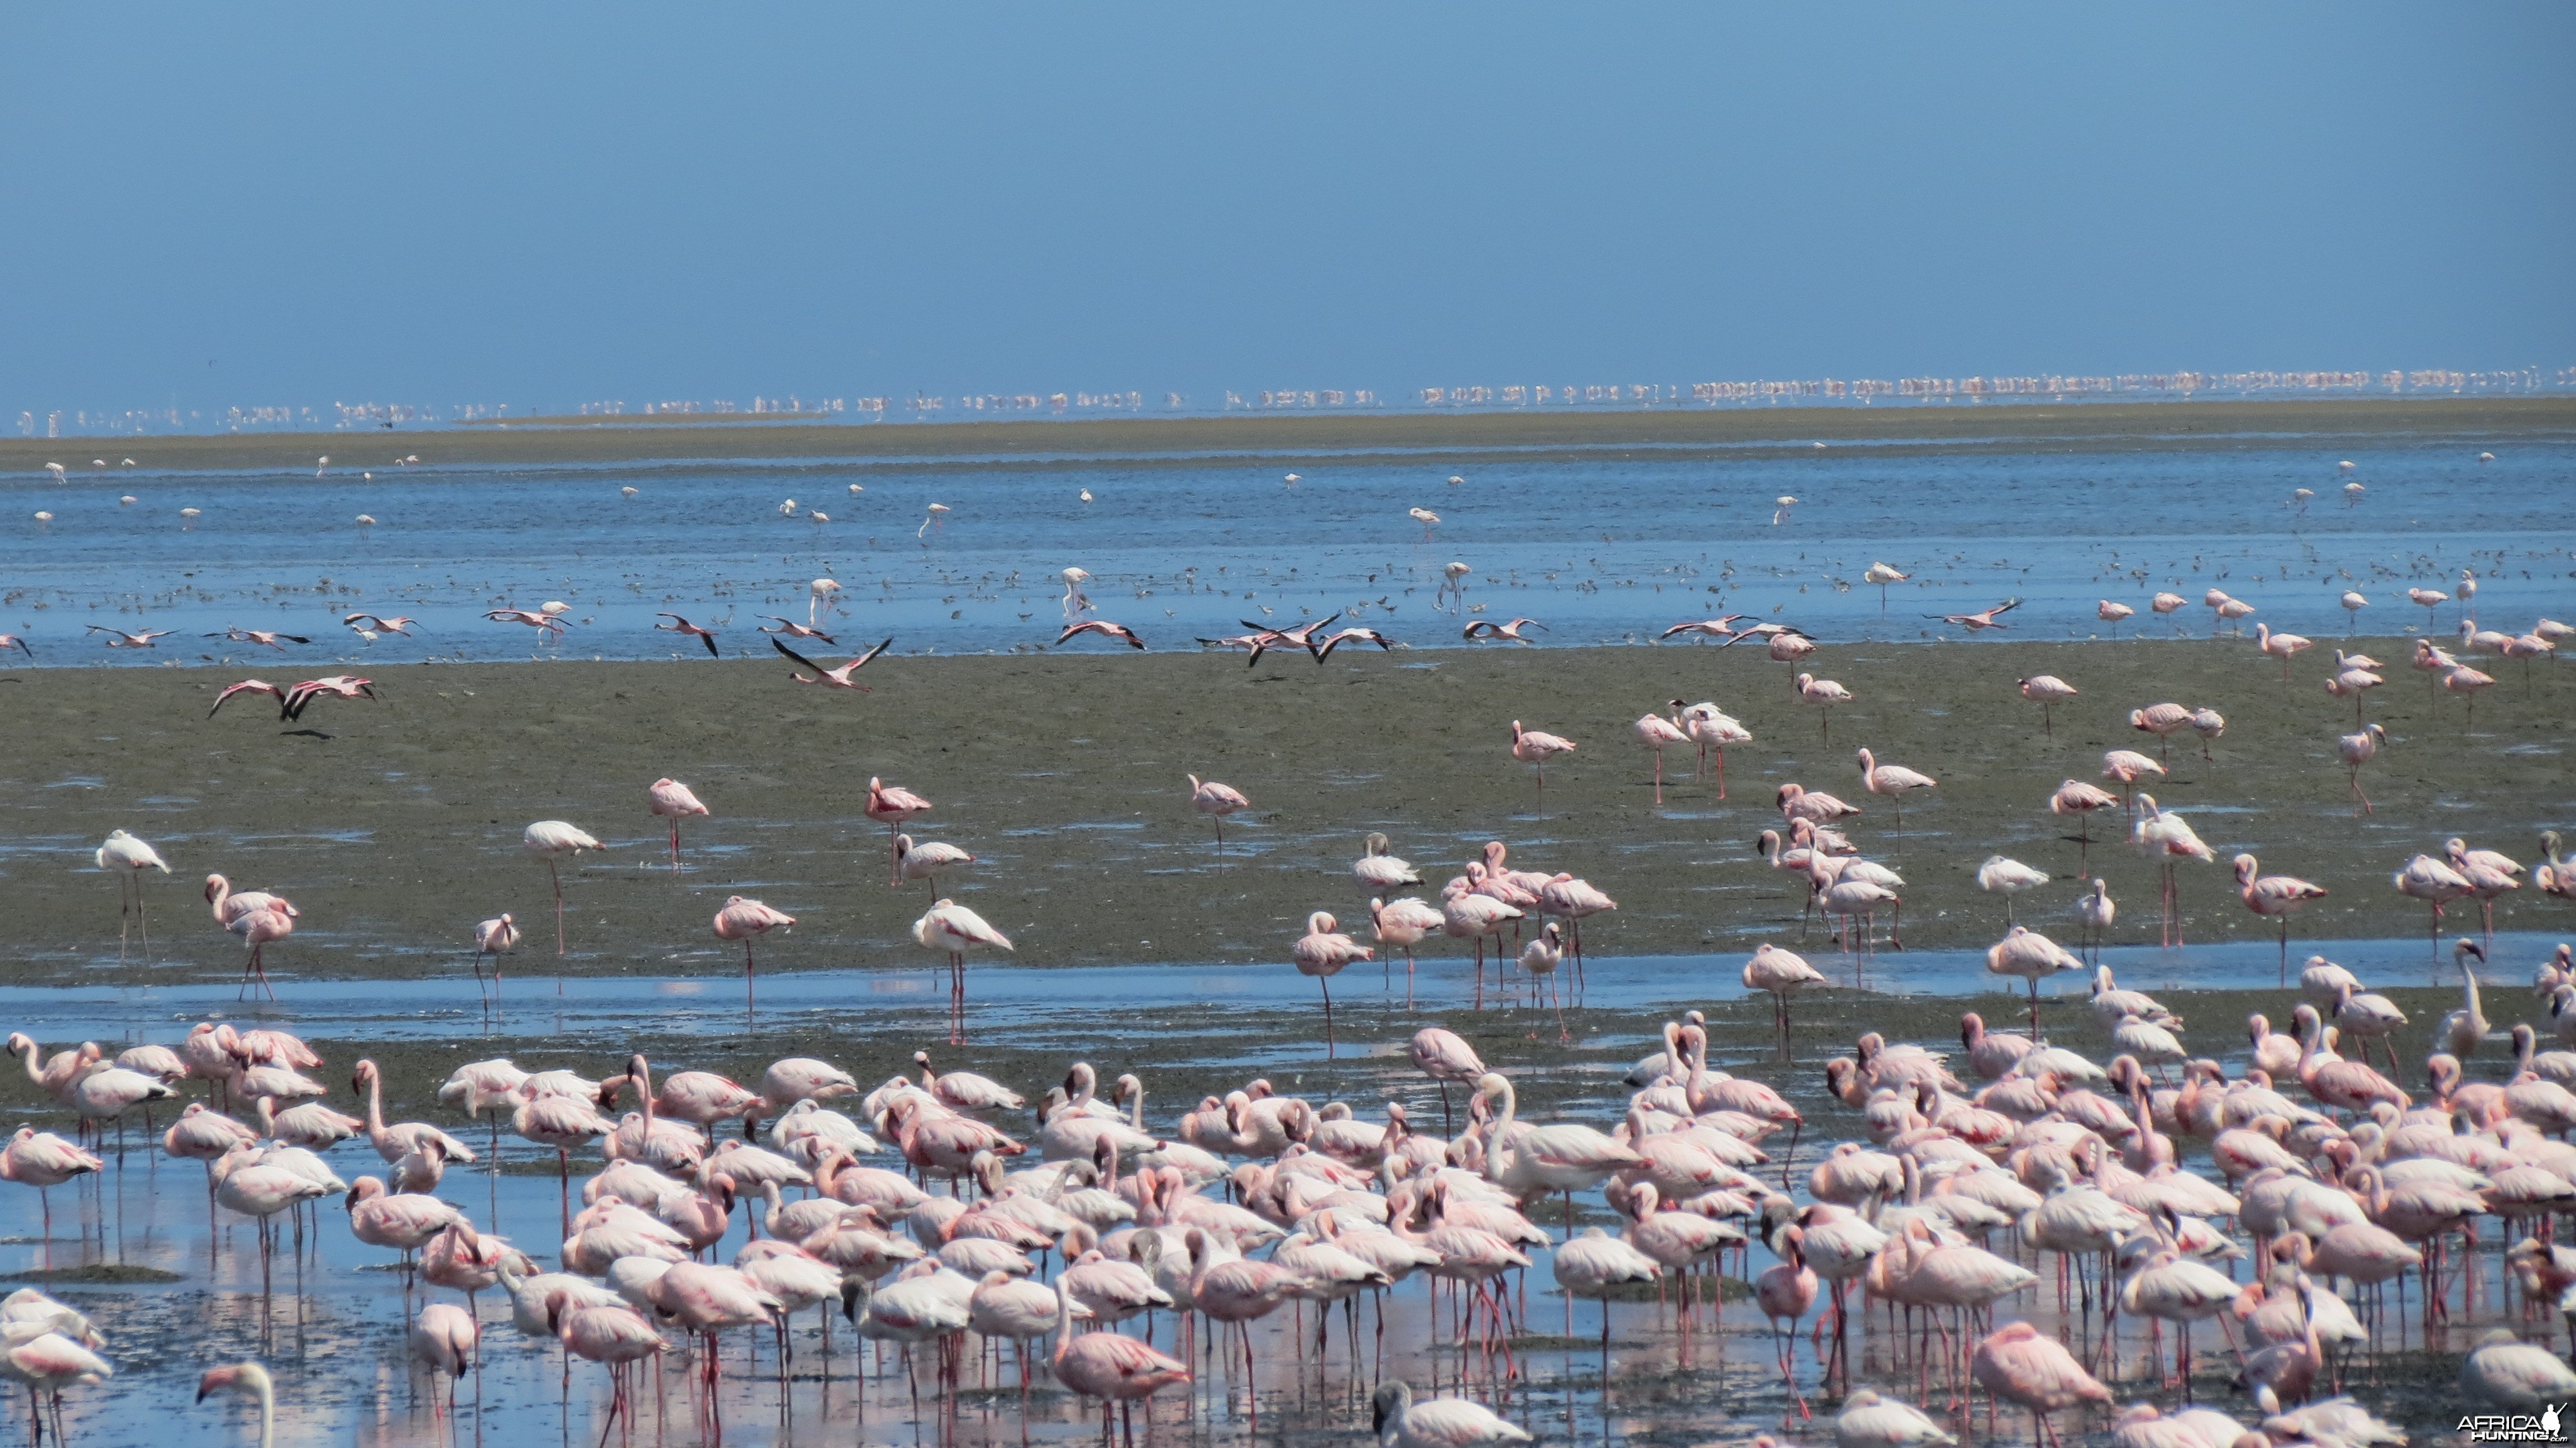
375	1103
1500	1154
34	1072
1135	1118
267	1416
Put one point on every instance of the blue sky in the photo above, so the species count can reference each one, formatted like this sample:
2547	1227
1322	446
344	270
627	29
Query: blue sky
545	204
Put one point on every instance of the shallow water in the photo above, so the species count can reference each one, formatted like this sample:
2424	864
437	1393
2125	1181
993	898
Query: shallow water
331	1321
1604	549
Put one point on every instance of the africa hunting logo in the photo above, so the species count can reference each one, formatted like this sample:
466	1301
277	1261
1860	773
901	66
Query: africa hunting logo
2513	1427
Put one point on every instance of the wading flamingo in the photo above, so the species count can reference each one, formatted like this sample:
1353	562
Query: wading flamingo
952	930
129	857
673	801
550	841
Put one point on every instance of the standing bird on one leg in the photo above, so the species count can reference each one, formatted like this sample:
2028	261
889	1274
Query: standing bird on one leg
552	840
1322	952
2274	897
1893	781
494	937
1779	972
1529	746
2008	878
2047	691
747	921
672	801
1216	801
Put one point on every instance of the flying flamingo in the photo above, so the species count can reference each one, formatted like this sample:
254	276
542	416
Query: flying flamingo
1322	952
399	624
686	629
547	625
1117	632
833	678
1654	731
1529	746
1892	780
746	921
2046	690
672	800
552	840
1324	650
2275	897
1717	628
794	630
266	637
118	638
2357	750
129	858
1501	632
1981	620
10	641
1216	801
953	930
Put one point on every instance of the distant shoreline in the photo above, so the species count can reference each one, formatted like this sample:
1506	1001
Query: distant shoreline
1341	438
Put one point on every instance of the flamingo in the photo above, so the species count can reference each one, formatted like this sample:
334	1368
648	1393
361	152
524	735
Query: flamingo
1883	574
130	857
2276	897
2008	878
250	1380
446	1341
1530	746
550	841
1711	728
2489	873
1107	1365
2097	912
1654	731
2026	953
2046	690
1824	694
1322	953
118	638
1982	619
2466	682
673	801
2164	837
44	1161
1117	632
953	930
1379	872
2281	646
1779	972
2020	1364
2075	797
494	937
1324	650
2163	721
2463	1029
2128	767
746	921
839	678
1893	781
1468	914
1216	801
1398	1421
2433	882
1402	924
2357	750
1509	632
1786	1291
924	861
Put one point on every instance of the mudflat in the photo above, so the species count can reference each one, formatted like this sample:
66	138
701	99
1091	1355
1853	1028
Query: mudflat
1291	438
394	825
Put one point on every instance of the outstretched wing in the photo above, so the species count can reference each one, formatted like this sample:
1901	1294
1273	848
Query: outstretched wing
800	658
870	656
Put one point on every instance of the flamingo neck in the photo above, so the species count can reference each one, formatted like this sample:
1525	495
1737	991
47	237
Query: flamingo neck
375	1103
267	1417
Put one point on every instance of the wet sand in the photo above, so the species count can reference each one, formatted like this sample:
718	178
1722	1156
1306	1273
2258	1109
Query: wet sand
1736	431
395	825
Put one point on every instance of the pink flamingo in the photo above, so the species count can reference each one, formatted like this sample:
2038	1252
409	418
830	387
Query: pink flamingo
1110	1366
2079	799
615	1337
494	937
686	629
2274	897
839	678
673	801
1786	1290
2282	646
2022	1365
2490	873
552	840
1892	780
1654	731
2436	884
44	1161
1322	952
2127	766
1116	632
953	930
446	1341
2112	613
1233	1290
1529	746
2047	691
252	1381
129	858
1402	924
258	929
1503	632
2357	750
1711	728
2161	720
1216	801
746	921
